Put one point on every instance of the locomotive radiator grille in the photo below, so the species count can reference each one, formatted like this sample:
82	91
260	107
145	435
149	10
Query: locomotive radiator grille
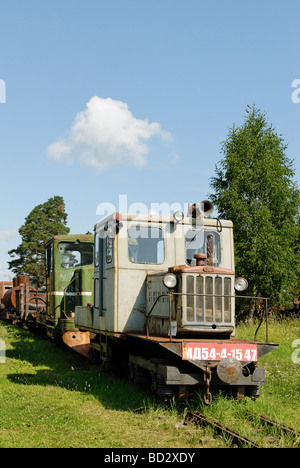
208	299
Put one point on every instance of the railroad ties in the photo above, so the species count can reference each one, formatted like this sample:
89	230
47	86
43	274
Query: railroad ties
235	437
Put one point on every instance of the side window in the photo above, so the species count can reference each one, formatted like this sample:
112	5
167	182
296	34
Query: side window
146	245
96	243
109	245
105	245
49	258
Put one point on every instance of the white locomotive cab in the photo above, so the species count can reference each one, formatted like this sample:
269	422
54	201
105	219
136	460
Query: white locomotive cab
133	253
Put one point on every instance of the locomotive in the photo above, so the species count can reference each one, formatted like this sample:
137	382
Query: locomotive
153	295
164	304
69	261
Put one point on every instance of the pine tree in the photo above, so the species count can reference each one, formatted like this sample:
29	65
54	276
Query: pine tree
42	223
254	187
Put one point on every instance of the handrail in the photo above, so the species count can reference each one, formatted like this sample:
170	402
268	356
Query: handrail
173	293
152	308
65	290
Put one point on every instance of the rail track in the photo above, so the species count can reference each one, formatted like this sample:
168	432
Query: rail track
237	439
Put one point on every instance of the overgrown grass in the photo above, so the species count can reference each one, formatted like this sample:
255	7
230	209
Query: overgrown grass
280	397
281	394
50	397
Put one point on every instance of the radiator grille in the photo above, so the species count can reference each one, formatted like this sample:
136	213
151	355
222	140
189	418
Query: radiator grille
212	307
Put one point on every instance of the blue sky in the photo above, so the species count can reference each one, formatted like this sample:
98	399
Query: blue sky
176	74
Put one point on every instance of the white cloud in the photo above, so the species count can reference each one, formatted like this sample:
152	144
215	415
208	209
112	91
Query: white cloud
8	235
5	274
106	134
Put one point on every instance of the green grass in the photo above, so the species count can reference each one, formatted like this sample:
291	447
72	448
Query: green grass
280	396
50	397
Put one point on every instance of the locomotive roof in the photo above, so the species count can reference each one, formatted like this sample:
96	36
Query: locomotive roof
160	219
72	237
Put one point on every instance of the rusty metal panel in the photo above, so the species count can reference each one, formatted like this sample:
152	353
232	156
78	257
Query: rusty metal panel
77	341
4	287
15	297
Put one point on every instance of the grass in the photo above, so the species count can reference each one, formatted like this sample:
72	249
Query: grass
281	394
280	397
50	397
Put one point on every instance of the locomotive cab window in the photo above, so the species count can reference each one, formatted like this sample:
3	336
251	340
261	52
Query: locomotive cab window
200	241
109	245
49	258
75	255
97	248
146	245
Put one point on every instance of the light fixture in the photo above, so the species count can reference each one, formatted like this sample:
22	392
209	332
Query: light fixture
178	216
170	280
240	284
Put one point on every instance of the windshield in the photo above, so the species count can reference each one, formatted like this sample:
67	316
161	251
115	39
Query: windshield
75	255
145	245
206	242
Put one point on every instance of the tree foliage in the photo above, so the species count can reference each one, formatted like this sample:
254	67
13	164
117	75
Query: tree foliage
254	187
42	223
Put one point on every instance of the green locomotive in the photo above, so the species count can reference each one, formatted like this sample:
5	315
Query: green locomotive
69	261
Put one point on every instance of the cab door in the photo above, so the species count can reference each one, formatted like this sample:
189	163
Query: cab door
98	273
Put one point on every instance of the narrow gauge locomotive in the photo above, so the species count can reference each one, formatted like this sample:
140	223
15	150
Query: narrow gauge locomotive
69	273
69	283
162	289
164	304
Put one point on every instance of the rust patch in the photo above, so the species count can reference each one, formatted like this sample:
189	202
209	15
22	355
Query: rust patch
202	269
78	341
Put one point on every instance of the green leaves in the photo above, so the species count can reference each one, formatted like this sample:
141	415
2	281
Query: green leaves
254	187
42	223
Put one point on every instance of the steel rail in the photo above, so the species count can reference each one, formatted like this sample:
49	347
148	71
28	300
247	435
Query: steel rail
236	438
275	424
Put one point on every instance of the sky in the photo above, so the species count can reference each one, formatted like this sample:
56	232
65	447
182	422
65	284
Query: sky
102	101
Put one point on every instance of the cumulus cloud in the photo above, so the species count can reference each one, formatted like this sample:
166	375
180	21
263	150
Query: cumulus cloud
5	274
7	235
106	134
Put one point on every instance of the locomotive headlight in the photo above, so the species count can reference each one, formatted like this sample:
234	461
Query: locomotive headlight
240	284
170	280
178	216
